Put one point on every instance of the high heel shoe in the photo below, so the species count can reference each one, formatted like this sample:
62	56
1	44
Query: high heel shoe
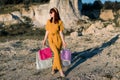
63	75
53	72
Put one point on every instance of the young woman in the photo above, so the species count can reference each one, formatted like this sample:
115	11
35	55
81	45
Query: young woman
54	28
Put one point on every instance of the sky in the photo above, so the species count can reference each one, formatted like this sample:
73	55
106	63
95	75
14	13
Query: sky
91	1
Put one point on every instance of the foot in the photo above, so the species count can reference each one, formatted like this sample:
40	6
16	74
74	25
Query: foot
62	74
53	72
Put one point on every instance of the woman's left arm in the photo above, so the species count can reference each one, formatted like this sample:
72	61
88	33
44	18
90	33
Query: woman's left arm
63	40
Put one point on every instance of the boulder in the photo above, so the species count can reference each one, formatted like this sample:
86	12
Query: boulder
17	14
94	28
5	17
118	12
107	15
110	27
7	23
99	24
84	17
1	18
28	13
118	22
74	35
11	18
90	30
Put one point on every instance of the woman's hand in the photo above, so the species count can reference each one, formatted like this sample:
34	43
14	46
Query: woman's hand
64	44
43	42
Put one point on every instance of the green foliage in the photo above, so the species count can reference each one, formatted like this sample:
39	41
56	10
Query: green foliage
89	6
116	20
7	6
6	2
112	5
8	9
21	31
16	29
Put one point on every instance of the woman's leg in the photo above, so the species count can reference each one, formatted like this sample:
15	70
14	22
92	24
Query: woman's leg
61	73
56	60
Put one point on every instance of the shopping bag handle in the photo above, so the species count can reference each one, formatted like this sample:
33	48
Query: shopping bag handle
45	46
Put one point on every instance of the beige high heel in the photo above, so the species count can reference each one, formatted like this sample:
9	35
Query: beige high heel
62	75
53	72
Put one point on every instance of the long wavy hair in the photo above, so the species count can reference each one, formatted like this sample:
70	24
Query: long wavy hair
56	15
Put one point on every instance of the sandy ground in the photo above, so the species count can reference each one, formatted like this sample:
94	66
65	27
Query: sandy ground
93	58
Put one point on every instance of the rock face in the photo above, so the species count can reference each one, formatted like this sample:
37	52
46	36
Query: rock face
11	18
41	14
107	15
68	9
118	22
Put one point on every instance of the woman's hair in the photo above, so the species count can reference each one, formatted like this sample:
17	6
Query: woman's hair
56	15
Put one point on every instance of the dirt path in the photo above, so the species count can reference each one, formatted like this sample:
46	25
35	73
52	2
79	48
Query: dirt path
93	58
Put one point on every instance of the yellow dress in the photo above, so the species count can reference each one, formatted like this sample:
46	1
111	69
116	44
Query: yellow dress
55	42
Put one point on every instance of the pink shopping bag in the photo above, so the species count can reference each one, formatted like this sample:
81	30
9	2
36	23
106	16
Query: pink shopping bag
45	53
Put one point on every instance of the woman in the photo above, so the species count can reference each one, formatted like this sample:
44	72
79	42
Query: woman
54	28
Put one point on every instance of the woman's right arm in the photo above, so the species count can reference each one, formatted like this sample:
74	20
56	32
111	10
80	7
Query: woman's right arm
45	38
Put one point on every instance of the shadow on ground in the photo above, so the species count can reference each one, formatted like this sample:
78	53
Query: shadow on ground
80	57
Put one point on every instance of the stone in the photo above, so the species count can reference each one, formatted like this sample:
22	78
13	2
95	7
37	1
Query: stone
118	12
8	17
118	22
17	14
7	23
29	13
91	30
107	15
110	27
74	35
1	18
84	17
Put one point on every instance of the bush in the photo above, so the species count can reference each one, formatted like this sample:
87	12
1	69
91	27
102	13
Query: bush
5	2
97	5
112	5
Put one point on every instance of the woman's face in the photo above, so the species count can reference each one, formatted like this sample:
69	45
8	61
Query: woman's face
52	14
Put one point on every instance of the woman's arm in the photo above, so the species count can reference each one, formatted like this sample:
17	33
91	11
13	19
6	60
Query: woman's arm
45	38
63	40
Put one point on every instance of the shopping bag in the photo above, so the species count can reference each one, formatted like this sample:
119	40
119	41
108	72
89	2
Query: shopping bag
65	57
45	53
43	64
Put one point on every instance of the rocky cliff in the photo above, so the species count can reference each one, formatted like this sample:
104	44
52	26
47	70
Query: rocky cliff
69	11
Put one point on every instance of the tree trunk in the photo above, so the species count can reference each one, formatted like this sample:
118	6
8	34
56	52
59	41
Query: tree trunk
70	10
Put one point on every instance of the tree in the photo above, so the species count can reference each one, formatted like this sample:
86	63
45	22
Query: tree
97	4
108	5
70	10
